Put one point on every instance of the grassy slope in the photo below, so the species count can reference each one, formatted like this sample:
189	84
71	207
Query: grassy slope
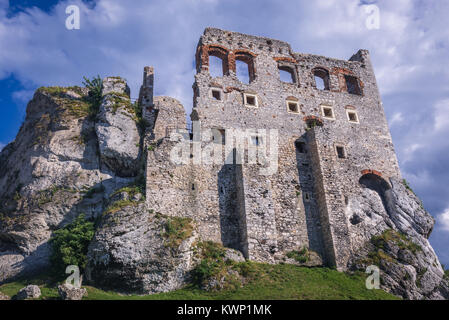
272	282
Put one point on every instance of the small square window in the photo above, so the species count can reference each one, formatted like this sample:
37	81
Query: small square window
250	100
292	106
340	152
352	116
328	112
216	94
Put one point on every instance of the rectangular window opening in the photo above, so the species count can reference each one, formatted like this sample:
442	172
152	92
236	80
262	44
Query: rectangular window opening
352	85
293	106
352	116
250	100
341	152
216	94
328	112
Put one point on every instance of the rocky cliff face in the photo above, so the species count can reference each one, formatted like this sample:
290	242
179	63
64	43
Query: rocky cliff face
399	246
58	167
71	157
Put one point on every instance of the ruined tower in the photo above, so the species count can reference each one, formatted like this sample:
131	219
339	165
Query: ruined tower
332	141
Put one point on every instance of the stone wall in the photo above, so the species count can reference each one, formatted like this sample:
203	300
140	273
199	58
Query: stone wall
306	201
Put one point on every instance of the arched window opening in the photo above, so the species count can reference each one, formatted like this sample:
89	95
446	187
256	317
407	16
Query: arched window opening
216	66
242	71
321	79
287	74
244	66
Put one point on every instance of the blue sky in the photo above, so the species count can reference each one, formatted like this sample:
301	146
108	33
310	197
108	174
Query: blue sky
409	52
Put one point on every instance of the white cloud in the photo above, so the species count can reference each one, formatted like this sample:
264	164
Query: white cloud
396	118
442	115
443	220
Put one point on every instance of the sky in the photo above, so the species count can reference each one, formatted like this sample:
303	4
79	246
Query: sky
409	46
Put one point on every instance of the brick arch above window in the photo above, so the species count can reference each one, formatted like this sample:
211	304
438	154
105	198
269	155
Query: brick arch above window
216	50
245	56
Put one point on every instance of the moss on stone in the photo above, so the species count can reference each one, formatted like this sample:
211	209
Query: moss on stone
301	256
119	205
399	239
176	230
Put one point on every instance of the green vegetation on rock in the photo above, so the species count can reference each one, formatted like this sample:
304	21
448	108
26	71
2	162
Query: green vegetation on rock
212	262
400	239
176	230
69	244
302	256
119	205
95	86
381	244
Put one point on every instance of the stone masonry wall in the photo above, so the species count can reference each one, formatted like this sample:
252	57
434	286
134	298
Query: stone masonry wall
305	202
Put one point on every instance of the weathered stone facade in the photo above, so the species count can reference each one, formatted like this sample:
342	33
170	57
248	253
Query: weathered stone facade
270	167
305	202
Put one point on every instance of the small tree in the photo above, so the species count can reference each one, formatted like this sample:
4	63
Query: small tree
70	244
95	86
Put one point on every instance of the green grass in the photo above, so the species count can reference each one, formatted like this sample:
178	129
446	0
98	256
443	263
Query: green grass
286	282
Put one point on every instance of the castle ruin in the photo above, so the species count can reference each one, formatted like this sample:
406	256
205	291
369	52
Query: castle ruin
332	141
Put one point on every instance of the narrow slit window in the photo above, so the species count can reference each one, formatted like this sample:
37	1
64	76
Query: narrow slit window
307	196
300	146
341	152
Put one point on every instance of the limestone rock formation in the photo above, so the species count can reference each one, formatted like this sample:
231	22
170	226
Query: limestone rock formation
133	251
399	244
335	197
50	174
69	292
116	129
29	292
4	297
